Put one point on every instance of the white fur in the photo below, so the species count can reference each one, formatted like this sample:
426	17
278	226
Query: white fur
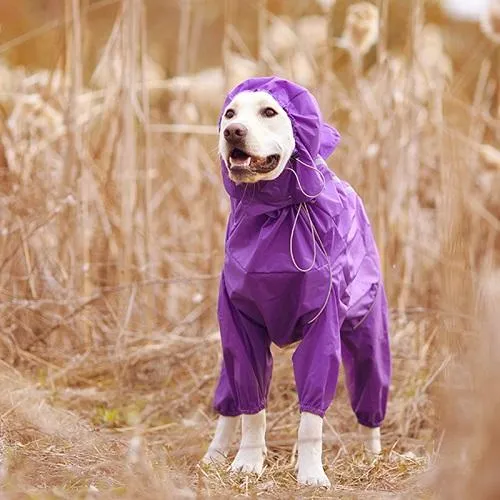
310	445
371	440
309	464
265	137
250	456
223	438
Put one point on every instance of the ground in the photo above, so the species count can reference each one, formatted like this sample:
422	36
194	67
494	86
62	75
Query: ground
94	430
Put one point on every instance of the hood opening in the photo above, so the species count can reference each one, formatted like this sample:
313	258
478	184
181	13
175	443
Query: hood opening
315	141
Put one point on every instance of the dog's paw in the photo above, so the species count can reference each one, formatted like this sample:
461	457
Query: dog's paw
214	456
373	447
249	460
373	450
313	476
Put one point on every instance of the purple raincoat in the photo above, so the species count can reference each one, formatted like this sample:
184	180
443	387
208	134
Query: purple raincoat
301	266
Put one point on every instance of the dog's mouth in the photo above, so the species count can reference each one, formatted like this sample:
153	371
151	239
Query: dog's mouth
243	164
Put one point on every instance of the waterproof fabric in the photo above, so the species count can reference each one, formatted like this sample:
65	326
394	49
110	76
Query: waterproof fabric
301	266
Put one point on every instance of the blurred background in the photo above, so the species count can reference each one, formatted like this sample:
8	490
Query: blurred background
112	219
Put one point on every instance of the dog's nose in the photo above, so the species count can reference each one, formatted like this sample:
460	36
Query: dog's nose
236	132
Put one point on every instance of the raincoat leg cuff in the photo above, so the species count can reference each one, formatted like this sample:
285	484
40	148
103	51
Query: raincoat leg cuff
372	423
312	409
227	413
241	411
252	411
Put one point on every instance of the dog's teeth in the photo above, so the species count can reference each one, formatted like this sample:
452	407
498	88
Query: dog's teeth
241	162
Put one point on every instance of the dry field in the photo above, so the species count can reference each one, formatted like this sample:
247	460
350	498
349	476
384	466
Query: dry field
112	219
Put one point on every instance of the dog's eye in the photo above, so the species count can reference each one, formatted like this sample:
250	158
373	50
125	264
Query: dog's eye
269	112
229	114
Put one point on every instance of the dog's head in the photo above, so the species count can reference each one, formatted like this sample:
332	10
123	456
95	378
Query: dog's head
256	137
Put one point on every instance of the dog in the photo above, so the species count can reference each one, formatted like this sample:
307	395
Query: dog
301	267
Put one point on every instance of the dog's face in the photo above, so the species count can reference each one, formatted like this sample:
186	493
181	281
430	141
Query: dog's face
256	137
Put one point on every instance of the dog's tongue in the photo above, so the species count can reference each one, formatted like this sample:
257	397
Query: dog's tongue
241	162
240	158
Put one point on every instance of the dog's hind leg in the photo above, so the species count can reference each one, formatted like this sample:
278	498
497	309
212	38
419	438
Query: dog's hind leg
367	363
250	456
371	439
224	434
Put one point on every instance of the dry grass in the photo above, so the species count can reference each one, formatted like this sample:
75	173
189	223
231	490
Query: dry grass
112	223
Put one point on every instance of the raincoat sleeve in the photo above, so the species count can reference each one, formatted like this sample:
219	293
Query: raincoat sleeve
367	361
316	361
247	361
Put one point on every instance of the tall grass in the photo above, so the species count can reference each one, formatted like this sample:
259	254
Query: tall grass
112	223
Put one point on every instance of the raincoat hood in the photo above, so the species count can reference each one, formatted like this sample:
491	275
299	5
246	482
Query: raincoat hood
315	141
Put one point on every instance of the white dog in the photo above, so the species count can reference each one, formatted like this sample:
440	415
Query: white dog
257	143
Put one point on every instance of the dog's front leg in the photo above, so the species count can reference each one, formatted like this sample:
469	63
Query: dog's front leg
224	433
310	447
250	456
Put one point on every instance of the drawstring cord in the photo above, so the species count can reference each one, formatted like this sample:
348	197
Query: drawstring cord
316	240
313	233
